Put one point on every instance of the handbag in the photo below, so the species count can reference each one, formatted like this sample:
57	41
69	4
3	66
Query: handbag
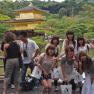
78	78
28	84
36	73
66	89
54	74
20	60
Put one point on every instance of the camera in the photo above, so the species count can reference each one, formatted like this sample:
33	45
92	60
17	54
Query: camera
24	53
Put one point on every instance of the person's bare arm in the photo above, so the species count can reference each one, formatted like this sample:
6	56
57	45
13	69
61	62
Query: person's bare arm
19	48
87	40
38	64
63	72
36	53
5	52
53	64
80	68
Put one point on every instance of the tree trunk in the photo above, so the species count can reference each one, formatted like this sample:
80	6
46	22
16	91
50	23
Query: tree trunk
66	11
72	10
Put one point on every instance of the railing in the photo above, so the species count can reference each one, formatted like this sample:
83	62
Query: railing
1	75
36	17
2	66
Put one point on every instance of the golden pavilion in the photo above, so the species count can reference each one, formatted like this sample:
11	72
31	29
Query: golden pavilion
27	20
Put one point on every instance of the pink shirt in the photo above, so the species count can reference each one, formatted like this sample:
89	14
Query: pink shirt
84	48
46	63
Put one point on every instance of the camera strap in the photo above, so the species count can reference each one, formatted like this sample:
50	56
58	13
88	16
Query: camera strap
26	45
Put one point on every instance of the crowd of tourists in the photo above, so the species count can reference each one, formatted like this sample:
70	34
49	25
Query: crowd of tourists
74	54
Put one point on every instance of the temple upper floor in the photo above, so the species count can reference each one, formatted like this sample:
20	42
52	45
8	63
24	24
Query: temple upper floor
30	16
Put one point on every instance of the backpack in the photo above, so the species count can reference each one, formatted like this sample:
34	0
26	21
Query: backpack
28	84
87	49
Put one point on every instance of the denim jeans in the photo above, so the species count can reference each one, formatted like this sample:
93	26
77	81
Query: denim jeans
24	69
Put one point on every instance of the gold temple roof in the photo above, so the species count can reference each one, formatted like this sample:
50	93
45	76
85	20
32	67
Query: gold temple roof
29	8
24	20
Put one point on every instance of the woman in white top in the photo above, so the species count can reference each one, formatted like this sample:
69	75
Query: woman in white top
86	64
81	46
46	63
55	42
69	41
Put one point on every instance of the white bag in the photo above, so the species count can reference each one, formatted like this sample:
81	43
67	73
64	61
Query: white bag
69	76
66	89
60	75
78	78
36	72
55	70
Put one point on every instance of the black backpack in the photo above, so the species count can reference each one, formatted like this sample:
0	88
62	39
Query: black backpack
28	84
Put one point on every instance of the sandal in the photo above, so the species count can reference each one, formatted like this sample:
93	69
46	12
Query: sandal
46	90
56	90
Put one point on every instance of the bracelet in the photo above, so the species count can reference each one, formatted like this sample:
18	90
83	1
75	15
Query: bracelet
38	64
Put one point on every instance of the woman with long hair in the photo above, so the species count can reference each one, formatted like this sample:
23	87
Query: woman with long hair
82	46
69	41
11	50
86	64
46	63
55	42
67	65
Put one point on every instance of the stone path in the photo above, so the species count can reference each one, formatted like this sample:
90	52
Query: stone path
34	91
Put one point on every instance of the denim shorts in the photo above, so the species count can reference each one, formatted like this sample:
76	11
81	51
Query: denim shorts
48	77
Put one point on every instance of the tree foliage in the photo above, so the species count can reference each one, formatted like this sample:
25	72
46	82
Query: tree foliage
39	41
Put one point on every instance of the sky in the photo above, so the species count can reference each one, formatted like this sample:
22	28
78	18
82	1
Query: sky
55	0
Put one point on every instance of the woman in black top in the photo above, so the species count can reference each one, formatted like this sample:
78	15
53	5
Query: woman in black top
11	50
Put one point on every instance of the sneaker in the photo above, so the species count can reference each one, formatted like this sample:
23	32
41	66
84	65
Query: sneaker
36	87
12	86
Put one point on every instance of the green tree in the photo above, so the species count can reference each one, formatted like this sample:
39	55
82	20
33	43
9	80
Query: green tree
85	0
40	42
3	28
79	29
73	4
4	17
62	12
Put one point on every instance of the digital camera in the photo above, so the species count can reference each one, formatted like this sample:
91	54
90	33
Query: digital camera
24	53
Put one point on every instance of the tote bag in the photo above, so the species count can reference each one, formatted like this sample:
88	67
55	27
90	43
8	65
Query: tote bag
36	72
66	89
55	70
78	78
54	74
